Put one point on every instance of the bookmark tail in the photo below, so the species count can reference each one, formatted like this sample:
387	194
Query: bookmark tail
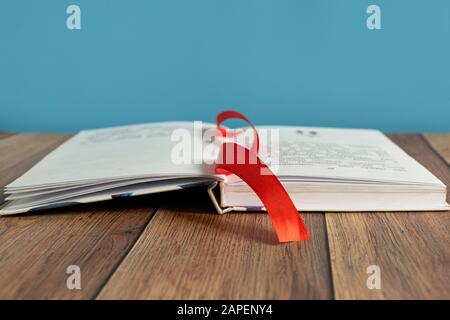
285	218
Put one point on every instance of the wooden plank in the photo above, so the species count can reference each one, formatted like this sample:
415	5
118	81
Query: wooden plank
410	248
4	134
36	249
441	144
189	252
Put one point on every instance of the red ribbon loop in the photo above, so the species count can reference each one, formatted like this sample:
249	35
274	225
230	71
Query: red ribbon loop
285	218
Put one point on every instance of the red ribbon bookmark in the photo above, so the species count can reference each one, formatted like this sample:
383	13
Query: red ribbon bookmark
285	218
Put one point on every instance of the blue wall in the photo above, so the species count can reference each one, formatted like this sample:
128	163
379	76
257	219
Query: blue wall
279	61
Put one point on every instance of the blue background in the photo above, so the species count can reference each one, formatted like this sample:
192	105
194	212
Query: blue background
278	61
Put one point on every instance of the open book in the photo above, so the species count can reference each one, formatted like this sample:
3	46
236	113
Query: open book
322	169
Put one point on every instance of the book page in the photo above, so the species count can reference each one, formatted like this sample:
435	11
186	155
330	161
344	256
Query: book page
104	154
354	154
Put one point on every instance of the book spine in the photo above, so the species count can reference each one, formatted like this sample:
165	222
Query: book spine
215	198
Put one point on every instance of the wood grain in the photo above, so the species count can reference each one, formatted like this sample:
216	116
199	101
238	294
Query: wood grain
4	134
189	252
411	249
36	249
186	251
441	144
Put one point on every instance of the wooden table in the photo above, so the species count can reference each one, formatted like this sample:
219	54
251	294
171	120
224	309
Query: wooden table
174	246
